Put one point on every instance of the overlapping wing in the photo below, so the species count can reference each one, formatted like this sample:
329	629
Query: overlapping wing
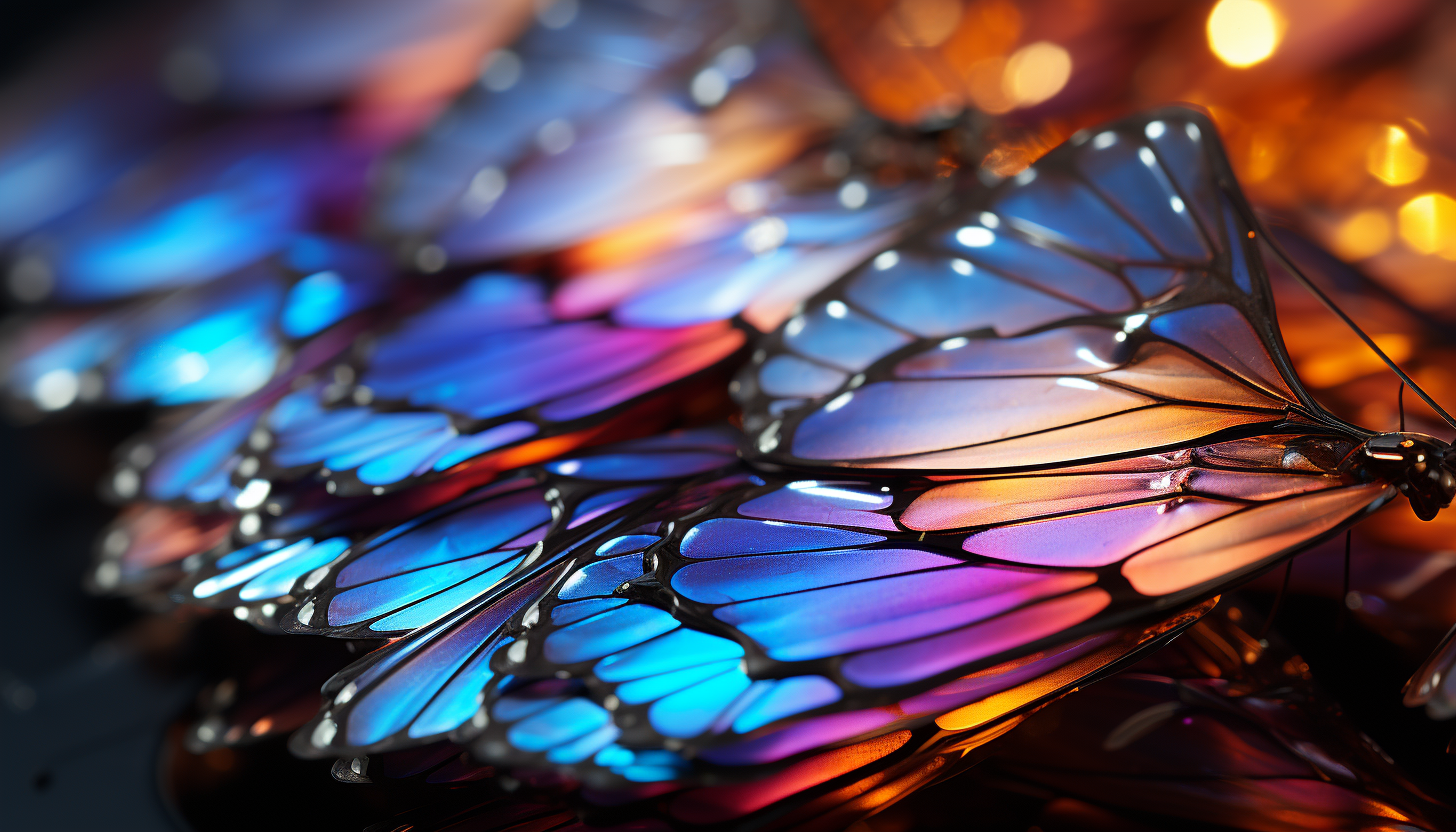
502	549
1107	301
576	673
498	374
485	377
190	214
372	574
861	593
221	340
588	123
1099	437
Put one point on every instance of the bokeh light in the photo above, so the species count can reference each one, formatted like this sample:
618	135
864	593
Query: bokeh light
1036	72
922	23
1363	234
1244	32
1338	365
1428	224
1394	160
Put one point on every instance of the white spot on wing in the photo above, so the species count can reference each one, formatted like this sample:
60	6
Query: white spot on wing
975	236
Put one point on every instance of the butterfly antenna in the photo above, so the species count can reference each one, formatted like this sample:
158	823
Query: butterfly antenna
1400	405
1369	342
1274	609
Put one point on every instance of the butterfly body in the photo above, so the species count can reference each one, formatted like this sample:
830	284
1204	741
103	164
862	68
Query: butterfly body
1421	467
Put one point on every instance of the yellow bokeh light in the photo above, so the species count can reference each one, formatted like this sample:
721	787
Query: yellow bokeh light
1036	72
1394	160
923	23
1337	365
1428	224
984	79
1365	234
1244	32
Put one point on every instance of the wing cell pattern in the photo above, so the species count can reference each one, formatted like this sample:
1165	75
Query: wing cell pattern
483	371
1098	304
981	469
361	576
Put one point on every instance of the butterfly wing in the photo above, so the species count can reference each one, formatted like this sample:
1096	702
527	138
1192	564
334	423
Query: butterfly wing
587	124
629	687
864	594
416	573
485	378
202	343
1107	301
192	213
567	70
363	576
500	368
1068	519
441	667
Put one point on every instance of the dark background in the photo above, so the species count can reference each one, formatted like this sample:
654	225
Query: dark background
80	713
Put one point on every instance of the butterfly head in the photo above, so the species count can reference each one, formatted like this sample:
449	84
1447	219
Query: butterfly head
1422	467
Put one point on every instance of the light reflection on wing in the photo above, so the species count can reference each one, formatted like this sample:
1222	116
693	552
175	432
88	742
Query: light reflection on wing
1098	304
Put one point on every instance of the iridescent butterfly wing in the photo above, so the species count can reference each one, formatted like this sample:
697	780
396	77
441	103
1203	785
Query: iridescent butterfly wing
1064	419
451	578
1105	302
221	340
1078	353
506	369
485	378
640	688
590	121
192	212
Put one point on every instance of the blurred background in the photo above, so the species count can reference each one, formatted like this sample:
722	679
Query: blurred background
150	153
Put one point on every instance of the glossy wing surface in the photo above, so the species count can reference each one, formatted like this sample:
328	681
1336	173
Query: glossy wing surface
758	253
364	576
863	593
487	376
429	682
1105	302
568	72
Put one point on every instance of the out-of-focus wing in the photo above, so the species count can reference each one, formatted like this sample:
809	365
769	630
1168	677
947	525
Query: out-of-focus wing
221	340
